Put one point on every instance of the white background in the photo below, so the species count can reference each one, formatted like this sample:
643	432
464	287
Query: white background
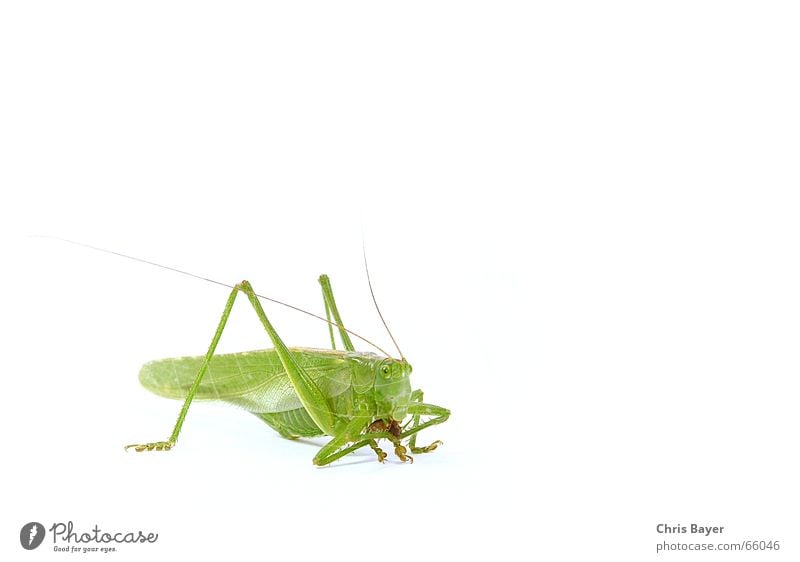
582	226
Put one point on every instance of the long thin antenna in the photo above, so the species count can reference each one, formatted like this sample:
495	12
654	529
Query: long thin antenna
371	292
173	269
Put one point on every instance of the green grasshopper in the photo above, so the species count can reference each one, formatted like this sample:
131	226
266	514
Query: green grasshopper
355	397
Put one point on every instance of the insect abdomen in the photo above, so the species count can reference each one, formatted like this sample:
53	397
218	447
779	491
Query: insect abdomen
292	423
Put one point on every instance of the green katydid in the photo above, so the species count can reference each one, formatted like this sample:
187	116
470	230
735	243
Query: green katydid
354	397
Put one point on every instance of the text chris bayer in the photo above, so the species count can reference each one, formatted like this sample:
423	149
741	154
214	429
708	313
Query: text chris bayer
693	529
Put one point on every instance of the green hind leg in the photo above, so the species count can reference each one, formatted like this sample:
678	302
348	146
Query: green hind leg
167	445
308	392
331	309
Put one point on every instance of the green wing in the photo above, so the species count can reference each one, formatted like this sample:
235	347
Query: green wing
253	380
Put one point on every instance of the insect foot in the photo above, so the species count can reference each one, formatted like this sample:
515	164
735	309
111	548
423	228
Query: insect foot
428	449
157	446
401	451
378	451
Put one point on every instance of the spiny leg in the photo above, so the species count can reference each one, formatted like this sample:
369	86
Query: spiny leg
440	415
335	448
167	445
416	396
331	455
332	450
417	408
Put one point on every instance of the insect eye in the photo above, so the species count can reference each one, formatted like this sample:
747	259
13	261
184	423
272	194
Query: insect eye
385	369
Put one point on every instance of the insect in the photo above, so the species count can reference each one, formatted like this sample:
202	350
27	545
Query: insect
356	398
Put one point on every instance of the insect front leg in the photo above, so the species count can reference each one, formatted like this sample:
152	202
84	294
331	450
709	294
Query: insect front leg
380	430
418	408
